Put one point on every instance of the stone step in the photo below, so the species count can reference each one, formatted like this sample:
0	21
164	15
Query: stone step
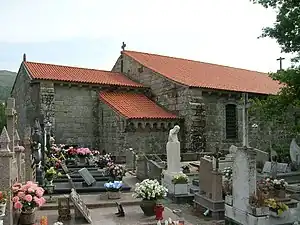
195	182
194	189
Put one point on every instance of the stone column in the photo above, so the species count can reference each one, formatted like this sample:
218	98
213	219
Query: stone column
19	151
6	157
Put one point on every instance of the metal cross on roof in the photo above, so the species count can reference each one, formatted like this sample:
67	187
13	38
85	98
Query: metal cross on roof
280	59
123	46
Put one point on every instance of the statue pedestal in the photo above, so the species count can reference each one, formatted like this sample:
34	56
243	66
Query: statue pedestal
173	157
174	189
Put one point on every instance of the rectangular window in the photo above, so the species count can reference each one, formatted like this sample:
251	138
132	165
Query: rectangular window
231	121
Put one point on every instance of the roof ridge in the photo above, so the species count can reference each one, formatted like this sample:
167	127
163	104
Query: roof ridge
192	60
74	67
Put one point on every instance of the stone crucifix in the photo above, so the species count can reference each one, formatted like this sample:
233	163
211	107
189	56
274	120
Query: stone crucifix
123	46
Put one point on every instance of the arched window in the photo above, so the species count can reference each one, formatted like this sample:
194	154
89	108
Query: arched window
231	121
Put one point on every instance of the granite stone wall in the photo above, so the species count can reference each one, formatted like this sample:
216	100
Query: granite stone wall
75	110
118	134
26	94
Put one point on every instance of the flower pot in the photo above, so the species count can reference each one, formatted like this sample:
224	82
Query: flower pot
2	208
82	160
148	207
180	189
27	217
114	194
262	211
228	199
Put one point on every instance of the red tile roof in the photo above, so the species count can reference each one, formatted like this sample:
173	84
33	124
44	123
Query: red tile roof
45	71
206	75
134	106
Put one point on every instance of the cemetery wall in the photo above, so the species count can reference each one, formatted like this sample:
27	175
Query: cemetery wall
26	96
76	116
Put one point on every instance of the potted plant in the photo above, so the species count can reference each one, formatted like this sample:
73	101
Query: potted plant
3	200
258	204
276	208
103	160
116	172
276	187
149	191
26	198
82	154
180	182
227	185
51	174
113	189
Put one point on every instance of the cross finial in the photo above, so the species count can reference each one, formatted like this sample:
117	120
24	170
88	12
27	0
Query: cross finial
280	59
24	57
123	46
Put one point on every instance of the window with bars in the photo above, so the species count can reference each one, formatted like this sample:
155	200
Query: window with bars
231	121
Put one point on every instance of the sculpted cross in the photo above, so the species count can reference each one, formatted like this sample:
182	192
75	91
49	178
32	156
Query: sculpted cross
123	46
280	59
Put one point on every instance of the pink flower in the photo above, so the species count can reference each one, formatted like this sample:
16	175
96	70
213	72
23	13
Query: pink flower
30	190
15	189
21	194
15	199
18	205
43	200
39	192
28	198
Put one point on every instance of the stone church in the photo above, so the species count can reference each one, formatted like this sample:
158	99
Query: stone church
138	101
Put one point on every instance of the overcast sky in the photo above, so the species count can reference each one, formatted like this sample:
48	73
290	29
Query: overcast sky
90	33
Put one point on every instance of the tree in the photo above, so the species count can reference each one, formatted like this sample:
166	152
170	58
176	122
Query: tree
276	109
2	116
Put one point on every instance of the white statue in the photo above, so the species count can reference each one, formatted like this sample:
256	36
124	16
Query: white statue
173	134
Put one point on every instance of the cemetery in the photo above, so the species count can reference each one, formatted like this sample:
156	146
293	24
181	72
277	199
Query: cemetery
68	184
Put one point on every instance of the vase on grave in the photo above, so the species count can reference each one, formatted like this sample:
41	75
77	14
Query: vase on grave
148	207
27	217
159	209
2	208
114	194
81	160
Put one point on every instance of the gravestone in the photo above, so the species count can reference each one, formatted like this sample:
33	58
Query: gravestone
87	176
280	168
210	197
81	210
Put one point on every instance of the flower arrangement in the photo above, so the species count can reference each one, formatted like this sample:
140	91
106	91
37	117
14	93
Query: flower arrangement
277	207
71	153
3	197
104	160
180	179
83	152
116	171
258	200
113	186
150	190
52	174
227	173
28	196
276	184
95	152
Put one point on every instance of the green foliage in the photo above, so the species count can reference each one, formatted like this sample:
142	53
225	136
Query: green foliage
286	29
7	79
2	116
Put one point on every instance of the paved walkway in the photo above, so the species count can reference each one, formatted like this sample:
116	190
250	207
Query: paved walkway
106	216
